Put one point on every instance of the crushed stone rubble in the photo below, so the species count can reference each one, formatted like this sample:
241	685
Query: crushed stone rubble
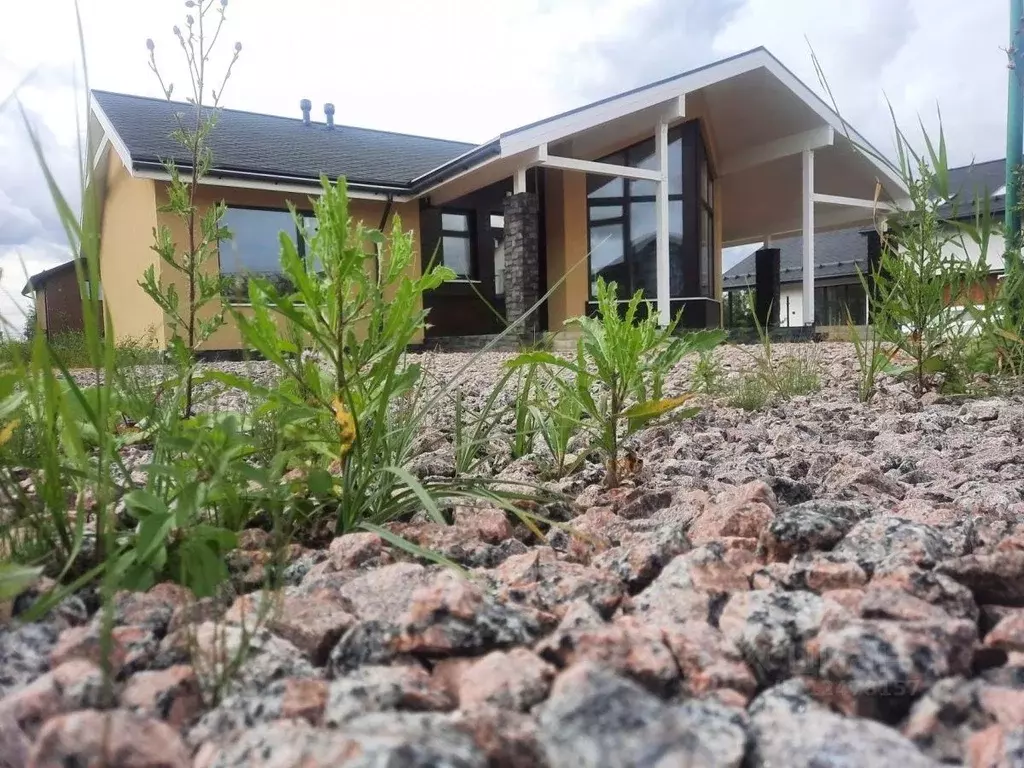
819	583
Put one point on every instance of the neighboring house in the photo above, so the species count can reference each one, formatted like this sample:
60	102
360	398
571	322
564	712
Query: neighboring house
58	299
840	254
837	257
645	187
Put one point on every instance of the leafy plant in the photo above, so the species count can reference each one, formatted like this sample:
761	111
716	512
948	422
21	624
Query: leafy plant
922	270
619	371
924	284
873	357
525	422
558	416
196	263
476	430
708	376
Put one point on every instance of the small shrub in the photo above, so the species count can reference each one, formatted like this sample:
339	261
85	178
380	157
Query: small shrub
525	424
792	376
748	392
796	376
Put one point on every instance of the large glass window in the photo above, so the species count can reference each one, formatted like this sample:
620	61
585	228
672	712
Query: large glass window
457	243
623	221
622	217
255	247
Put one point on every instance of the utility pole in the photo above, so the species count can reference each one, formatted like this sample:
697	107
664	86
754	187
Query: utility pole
1014	115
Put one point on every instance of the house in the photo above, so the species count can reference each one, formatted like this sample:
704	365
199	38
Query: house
58	300
645	188
840	255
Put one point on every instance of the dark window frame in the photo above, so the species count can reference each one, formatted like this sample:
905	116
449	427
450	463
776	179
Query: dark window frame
468	234
300	244
694	150
707	182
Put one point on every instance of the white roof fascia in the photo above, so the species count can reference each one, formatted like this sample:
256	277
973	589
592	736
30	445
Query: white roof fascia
111	134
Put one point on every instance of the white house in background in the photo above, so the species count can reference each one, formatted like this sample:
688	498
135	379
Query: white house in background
838	256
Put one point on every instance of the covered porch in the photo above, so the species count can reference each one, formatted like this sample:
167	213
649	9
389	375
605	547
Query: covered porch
646	188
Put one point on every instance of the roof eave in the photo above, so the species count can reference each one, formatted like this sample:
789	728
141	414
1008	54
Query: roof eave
158	170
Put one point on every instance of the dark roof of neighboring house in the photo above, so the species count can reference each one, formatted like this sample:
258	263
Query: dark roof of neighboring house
968	182
251	143
36	280
836	254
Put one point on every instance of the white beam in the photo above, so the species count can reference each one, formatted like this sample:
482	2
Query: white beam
674	109
816	138
661	226
853	202
100	155
808	236
600	169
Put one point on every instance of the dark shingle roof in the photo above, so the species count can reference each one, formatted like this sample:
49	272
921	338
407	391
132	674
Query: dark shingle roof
836	254
278	146
969	182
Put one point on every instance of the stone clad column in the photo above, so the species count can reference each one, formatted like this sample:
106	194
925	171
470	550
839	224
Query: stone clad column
522	243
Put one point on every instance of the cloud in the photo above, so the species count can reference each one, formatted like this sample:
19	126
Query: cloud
656	39
31	235
918	54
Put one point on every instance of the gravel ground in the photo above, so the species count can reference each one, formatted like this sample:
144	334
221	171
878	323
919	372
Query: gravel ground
821	583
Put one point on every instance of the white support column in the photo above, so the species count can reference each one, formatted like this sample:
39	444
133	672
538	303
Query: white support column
519	180
808	235
661	229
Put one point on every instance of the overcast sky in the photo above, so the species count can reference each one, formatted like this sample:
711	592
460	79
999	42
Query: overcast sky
469	69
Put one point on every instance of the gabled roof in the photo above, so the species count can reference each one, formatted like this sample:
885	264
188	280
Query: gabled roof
39	278
251	143
836	254
276	151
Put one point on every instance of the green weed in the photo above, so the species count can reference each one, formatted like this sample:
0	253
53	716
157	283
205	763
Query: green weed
619	370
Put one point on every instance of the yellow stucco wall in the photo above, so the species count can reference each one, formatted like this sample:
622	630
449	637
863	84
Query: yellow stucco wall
368	211
566	212
129	217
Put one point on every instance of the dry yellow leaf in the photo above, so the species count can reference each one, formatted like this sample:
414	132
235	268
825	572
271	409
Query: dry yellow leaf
346	426
8	430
